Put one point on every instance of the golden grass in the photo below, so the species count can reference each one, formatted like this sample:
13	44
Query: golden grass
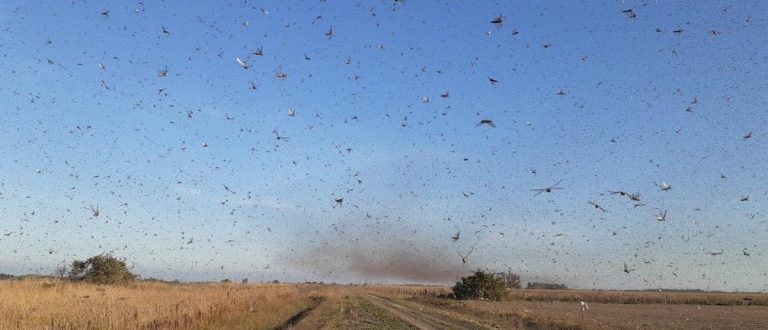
48	304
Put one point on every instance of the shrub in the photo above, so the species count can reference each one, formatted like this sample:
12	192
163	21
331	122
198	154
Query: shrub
101	269
481	285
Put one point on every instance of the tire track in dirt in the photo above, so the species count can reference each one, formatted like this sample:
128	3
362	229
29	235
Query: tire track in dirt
419	319
378	302
296	318
352	311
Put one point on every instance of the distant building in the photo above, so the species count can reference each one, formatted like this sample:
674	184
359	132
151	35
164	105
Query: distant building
546	286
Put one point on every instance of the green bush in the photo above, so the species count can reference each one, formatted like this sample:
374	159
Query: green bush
101	269
481	285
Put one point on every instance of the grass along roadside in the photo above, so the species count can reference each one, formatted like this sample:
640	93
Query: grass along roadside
141	305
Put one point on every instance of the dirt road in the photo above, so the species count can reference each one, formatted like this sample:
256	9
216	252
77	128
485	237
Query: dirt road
401	312
356	310
352	311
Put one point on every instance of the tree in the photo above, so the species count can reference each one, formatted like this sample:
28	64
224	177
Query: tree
4	276
60	271
481	285
511	280
101	269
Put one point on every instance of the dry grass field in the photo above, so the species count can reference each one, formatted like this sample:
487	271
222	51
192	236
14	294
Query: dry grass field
47	304
642	297
522	314
51	304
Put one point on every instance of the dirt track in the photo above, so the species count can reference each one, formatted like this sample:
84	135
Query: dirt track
400	312
422	317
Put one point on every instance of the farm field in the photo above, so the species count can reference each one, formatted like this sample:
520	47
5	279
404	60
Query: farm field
49	304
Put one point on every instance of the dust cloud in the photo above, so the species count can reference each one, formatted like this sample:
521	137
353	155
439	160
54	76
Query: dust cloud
396	262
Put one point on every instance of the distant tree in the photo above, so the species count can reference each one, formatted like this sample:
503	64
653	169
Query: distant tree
101	269
60	271
481	285
4	276
245	280
226	280
510	279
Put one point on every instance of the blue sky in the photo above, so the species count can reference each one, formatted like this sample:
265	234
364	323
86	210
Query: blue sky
89	120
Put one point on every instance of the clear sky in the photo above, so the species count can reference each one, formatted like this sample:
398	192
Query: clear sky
143	111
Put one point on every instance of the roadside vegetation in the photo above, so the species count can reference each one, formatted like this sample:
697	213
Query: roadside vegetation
37	303
481	285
